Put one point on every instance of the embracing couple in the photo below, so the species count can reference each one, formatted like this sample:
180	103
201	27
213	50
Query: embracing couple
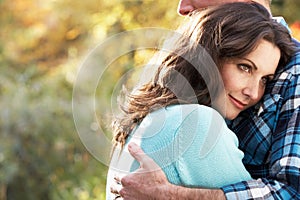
220	117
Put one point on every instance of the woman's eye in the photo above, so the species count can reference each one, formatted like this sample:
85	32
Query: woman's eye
245	68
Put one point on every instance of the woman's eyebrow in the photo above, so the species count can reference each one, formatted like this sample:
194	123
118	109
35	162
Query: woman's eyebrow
255	67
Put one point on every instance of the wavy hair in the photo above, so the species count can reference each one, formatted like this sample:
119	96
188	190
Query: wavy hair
184	76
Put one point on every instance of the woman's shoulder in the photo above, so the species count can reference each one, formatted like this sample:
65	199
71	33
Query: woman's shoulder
163	125
170	118
194	113
187	109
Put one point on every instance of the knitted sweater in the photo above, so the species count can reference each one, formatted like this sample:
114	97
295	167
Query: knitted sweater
191	143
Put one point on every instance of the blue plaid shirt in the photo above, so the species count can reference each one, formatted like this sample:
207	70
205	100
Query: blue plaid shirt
269	135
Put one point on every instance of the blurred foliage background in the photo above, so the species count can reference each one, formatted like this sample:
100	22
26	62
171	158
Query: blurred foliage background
42	44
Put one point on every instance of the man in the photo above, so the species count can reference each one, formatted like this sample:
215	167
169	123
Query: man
187	6
269	135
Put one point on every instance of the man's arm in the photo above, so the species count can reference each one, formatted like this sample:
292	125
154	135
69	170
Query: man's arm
150	182
283	171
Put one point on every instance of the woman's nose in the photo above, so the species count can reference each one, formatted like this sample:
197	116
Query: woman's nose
185	7
253	91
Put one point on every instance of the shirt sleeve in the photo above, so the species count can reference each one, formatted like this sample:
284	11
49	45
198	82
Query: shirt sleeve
284	180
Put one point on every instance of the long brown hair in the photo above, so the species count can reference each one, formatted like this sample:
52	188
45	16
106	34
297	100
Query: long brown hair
183	75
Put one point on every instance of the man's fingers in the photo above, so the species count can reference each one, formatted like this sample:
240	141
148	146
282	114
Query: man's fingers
116	186
117	179
114	190
145	161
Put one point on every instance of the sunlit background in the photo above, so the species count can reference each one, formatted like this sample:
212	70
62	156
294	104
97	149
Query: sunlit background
42	45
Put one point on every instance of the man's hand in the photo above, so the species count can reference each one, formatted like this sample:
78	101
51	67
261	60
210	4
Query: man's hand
148	182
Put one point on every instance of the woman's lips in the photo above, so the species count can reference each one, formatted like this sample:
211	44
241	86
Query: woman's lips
240	105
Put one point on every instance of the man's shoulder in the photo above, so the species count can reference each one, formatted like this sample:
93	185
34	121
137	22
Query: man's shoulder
294	65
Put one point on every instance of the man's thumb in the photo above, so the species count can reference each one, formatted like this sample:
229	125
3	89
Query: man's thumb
145	161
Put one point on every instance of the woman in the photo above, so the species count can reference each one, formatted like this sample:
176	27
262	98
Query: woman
177	117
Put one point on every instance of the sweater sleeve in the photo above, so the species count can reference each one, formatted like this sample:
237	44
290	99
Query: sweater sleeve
209	154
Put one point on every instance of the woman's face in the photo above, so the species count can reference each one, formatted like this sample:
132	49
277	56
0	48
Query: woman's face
245	78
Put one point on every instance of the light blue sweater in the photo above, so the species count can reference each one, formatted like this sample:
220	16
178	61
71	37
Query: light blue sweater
191	143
